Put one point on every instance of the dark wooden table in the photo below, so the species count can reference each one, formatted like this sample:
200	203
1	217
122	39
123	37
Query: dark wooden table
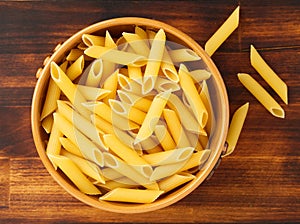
259	182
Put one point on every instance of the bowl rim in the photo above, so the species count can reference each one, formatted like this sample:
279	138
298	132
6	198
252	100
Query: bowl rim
36	124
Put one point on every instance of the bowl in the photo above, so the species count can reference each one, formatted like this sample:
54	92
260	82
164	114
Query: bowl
219	101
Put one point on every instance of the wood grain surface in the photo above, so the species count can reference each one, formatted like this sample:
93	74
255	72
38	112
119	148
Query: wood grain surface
259	182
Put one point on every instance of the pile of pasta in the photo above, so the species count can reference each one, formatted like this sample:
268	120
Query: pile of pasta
127	118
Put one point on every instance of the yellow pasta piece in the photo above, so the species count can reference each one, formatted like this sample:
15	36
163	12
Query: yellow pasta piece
126	170
110	173
197	159
93	93
95	73
136	101
76	68
187	119
192	95
70	146
54	146
168	67
116	56
174	181
128	155
88	168
261	95
268	74
88	149
223	32
131	195
164	137
142	34
205	97
74	174
93	40
47	123
183	55
163	85
105	112
53	94
154	61
81	123
127	111
135	73
200	75
74	54
168	157
69	89
166	170
176	129
138	45
123	182
111	84
235	127
152	117
129	85
108	67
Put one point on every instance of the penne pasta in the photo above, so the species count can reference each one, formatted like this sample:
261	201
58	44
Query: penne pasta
192	95
174	181
93	93
152	117
93	40
87	148
54	146
123	182
138	45
53	94
110	173
136	101
164	85
70	147
111	84
128	155
164	137
168	157
132	195
47	123
135	73
235	127
74	174
200	75
95	73
176	130
126	170
105	112
183	55
205	97
69	89
188	121
127	111
261	95
223	32
116	56
197	159
168	67
88	168
268	74
167	170
81	123
129	85
74	54
142	34
76	68
154	61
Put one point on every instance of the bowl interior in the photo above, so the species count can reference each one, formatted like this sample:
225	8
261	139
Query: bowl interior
218	96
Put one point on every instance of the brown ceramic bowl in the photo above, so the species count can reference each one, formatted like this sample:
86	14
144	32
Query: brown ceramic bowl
116	27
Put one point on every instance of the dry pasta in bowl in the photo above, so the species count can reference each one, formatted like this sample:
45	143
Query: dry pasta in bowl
130	115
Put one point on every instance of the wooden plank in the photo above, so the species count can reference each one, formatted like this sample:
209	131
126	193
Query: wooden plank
15	132
4	182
